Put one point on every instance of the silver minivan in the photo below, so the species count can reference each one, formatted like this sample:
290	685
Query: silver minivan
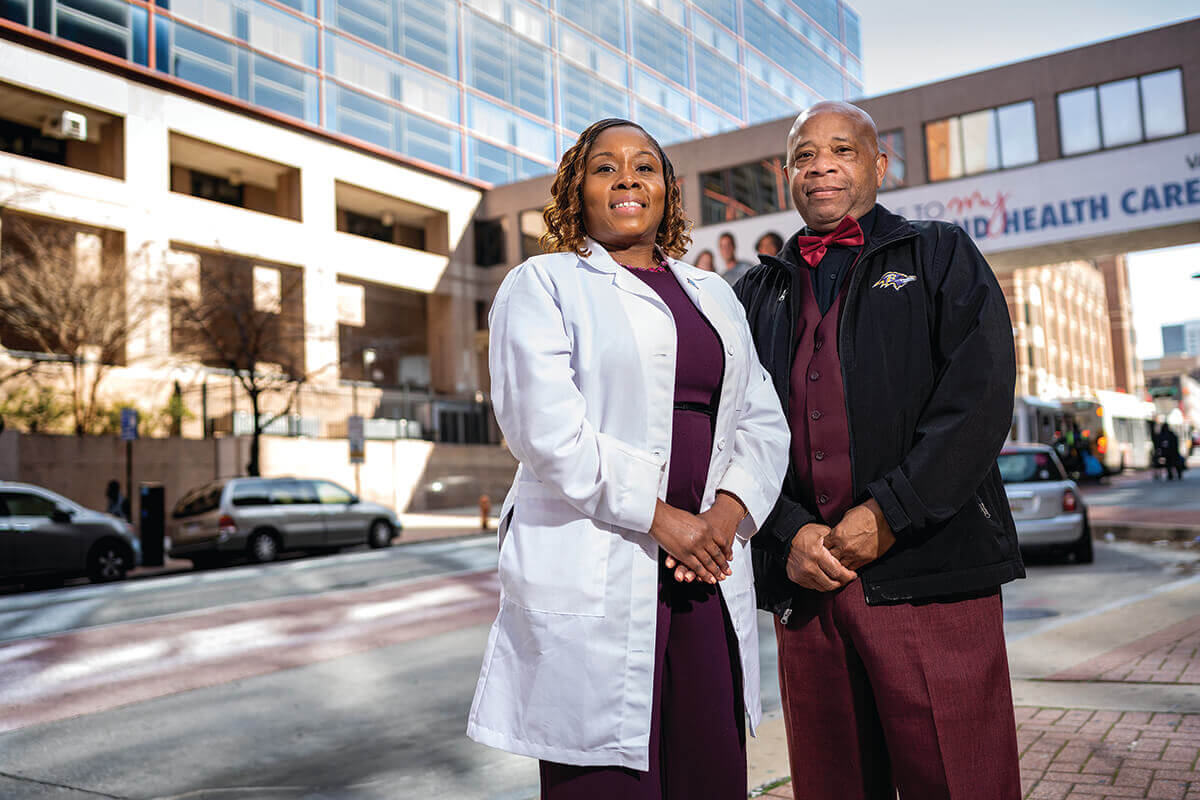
262	517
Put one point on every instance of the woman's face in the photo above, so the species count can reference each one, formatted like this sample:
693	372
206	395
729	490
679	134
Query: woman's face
624	190
704	261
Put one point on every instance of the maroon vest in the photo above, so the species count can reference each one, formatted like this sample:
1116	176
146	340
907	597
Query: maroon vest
817	407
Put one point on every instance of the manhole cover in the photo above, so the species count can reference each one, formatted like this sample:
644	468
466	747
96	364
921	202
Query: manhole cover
1028	613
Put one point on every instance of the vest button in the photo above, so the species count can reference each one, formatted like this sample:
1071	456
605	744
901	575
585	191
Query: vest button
823	499
817	344
815	415
814	375
820	454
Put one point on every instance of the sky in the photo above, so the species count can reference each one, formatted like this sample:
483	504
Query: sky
905	44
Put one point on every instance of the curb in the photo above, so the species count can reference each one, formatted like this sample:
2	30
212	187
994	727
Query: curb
1147	532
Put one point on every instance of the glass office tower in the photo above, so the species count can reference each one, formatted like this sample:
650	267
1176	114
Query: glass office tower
492	89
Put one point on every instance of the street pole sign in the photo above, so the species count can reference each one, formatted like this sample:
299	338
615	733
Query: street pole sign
357	437
129	424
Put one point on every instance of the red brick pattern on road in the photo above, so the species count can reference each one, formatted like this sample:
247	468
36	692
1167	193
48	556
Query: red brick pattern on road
1079	754
100	668
1170	656
1161	516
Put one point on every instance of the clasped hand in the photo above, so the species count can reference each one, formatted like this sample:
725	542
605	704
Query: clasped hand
698	545
824	558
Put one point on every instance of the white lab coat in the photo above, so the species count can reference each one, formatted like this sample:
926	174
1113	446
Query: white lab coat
583	379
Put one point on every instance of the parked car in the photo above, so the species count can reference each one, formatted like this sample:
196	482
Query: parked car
45	535
1046	504
261	517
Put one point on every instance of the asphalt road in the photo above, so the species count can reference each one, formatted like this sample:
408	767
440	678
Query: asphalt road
342	677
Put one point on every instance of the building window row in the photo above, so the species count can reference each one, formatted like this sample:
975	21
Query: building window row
982	141
1121	112
1113	114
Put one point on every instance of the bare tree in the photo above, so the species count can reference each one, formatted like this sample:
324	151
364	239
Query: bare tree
64	293
229	312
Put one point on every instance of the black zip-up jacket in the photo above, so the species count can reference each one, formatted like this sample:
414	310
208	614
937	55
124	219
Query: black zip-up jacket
928	367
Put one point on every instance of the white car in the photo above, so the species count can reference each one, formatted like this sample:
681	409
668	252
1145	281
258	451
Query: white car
1046	505
45	535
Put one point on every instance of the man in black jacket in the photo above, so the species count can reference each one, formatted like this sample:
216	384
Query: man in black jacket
891	349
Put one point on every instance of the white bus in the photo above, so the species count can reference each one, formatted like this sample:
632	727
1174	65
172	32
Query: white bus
1036	420
1116	428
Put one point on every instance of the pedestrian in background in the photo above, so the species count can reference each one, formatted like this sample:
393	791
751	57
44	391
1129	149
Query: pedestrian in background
704	261
651	446
115	502
769	244
891	346
731	268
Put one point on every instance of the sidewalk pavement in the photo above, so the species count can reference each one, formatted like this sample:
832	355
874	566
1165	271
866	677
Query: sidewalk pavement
1107	706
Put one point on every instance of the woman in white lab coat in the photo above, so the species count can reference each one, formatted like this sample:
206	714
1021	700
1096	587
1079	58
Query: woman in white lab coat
651	446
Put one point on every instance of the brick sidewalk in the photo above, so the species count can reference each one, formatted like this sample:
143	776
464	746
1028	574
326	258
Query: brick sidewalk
1073	754
1078	754
1170	656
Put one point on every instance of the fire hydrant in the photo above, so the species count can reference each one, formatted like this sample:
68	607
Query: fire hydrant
485	509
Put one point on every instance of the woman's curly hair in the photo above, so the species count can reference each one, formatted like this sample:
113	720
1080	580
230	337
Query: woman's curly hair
565	230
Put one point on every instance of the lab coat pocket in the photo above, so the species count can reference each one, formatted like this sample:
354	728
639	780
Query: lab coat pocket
554	559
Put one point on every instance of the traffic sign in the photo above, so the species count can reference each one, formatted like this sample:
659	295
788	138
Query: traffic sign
358	439
129	424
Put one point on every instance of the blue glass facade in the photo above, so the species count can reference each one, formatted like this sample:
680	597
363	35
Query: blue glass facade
493	89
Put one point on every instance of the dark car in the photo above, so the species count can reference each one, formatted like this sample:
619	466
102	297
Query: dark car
1046	504
45	535
259	518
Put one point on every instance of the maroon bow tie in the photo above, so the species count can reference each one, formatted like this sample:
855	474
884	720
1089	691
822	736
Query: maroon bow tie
812	248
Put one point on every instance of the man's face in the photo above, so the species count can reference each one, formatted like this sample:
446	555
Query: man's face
834	168
725	245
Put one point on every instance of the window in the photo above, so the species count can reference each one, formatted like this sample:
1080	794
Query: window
330	494
507	66
605	20
292	492
982	141
660	45
489	242
586	98
663	127
1019	467
21	504
743	191
199	501
892	143
718	80
1121	112
533	225
251	493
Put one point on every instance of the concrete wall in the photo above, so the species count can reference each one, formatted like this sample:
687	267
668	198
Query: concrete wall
408	475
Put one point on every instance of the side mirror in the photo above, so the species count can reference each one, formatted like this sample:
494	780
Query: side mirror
60	516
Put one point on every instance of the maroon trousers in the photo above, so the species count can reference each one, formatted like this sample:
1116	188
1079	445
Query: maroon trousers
912	697
697	736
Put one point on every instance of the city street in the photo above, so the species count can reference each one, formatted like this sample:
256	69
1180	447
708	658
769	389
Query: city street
350	676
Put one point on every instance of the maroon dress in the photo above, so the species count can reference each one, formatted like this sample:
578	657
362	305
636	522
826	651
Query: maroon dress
697	739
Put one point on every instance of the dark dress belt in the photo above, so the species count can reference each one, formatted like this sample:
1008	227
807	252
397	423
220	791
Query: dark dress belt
699	408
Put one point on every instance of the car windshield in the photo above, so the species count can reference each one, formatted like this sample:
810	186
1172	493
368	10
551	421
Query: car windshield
1029	467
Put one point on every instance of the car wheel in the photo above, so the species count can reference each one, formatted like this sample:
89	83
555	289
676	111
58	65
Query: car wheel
1083	551
108	561
380	534
263	547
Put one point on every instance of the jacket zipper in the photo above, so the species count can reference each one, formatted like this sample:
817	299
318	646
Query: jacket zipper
856	277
